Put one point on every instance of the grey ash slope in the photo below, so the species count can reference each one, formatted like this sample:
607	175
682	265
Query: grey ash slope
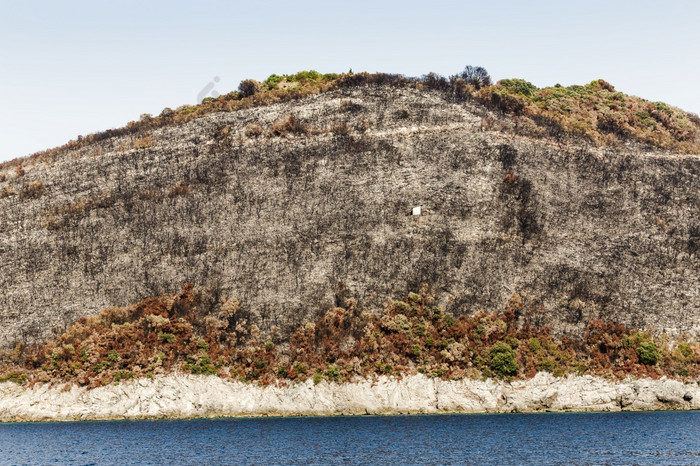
277	222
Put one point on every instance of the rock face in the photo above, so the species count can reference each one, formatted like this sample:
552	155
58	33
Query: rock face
209	396
276	205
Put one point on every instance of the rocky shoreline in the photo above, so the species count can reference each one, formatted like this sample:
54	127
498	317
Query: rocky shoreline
188	396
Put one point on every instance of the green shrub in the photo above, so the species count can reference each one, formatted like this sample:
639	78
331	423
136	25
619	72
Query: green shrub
333	373
282	371
272	81
648	353
534	344
512	342
683	351
502	359
546	365
16	377
300	367
519	86
113	356
166	337
318	377
449	319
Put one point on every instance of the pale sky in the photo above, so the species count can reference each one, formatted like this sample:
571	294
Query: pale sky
75	67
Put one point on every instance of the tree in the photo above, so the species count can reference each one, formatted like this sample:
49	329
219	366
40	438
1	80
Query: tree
476	76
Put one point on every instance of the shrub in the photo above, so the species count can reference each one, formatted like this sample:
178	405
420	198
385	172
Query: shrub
180	189
32	190
249	87
282	371
519	86
6	191
648	353
502	359
253	130
333	373
411	335
300	367
350	107
288	125
113	356
144	142
166	337
534	344
16	377
546	365
272	81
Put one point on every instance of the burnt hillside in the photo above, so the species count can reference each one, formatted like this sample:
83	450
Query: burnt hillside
277	204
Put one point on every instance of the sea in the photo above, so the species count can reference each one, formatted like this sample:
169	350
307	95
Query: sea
656	438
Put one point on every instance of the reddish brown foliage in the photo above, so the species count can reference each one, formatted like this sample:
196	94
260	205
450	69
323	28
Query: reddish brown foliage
165	333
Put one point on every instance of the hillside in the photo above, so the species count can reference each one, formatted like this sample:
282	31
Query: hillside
581	202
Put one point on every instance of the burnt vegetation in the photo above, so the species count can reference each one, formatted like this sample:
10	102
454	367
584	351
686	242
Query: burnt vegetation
196	332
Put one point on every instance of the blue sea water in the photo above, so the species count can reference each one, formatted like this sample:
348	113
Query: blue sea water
567	438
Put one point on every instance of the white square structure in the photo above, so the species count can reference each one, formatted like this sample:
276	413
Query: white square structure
416	210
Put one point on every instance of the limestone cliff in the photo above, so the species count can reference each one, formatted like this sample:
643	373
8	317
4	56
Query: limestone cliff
276	205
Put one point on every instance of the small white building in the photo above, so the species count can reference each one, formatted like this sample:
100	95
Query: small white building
416	210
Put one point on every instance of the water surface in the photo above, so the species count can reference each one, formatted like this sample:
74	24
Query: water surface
576	438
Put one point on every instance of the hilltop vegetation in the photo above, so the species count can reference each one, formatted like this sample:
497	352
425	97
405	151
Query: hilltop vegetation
595	111
177	333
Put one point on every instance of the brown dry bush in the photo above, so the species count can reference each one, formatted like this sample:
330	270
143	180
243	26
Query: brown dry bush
289	125
183	332
144	142
253	130
341	128
249	87
32	190
180	189
6	191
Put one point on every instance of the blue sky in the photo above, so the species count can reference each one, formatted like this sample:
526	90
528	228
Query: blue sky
76	67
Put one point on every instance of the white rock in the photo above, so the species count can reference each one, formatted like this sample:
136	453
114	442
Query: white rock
179	395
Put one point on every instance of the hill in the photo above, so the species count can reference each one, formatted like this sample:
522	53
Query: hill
580	202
